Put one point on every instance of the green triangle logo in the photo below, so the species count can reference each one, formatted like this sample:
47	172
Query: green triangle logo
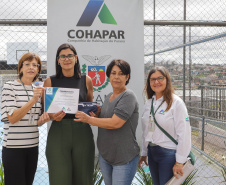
105	16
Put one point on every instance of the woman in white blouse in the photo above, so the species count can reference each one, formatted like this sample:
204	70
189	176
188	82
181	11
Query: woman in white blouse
21	114
165	158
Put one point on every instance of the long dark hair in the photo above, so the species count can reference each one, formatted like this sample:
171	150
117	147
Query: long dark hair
168	91
77	69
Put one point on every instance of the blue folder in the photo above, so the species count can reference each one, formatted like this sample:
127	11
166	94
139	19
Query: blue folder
87	107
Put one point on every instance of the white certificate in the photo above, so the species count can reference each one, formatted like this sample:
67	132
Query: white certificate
57	99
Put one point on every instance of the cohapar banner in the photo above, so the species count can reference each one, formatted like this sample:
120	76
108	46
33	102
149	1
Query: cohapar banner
100	31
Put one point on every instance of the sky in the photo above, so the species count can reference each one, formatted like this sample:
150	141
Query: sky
196	10
166	37
169	36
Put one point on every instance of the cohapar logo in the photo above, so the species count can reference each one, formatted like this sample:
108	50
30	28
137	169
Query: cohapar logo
91	12
103	33
93	33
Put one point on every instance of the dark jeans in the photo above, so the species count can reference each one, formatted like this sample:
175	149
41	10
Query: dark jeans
20	165
161	161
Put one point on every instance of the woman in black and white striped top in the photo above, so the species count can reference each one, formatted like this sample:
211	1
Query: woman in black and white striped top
21	114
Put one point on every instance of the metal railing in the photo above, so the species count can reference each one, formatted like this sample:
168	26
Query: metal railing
187	37
211	103
219	137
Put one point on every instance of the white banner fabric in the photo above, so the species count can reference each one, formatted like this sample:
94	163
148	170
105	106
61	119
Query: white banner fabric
100	31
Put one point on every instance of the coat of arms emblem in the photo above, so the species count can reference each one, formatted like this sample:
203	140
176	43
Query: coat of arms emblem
96	71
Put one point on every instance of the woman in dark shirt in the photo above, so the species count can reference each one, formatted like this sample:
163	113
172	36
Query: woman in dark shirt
70	146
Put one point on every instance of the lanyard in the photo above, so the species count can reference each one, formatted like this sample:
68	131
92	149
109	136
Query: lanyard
28	96
152	108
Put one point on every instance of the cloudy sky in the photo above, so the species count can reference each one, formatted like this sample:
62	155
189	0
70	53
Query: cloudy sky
166	37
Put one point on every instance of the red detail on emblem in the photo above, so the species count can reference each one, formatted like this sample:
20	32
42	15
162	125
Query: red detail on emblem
98	77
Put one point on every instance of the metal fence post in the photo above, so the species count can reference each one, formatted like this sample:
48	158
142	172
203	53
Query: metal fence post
202	132
154	33
184	54
220	114
202	112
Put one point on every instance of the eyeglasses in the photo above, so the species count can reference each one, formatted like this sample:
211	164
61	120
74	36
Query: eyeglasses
34	65
63	57
159	79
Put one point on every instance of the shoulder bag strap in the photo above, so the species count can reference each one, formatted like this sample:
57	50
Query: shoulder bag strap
162	129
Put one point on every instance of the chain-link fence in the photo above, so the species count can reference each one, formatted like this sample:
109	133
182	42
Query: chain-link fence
188	37
22	29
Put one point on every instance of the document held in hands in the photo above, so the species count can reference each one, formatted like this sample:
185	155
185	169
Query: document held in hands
57	99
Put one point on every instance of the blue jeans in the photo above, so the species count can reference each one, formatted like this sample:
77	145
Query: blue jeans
161	161
118	174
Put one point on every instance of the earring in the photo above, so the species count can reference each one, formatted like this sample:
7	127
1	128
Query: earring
59	63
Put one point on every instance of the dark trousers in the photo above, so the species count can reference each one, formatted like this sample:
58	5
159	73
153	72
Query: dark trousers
161	161
70	153
20	165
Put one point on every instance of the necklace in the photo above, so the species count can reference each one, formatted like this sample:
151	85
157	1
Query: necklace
31	119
